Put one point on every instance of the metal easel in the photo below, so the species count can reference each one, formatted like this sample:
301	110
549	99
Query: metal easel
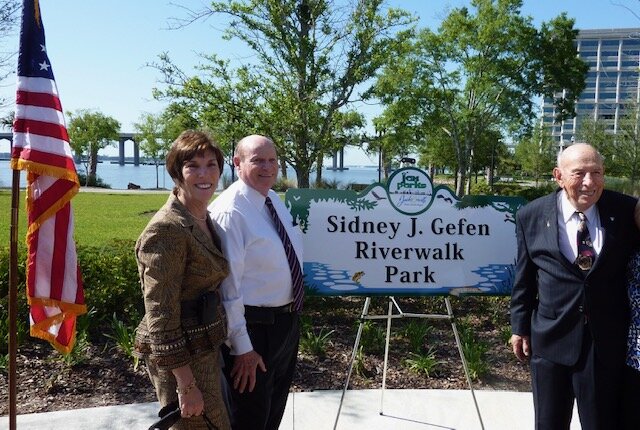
393	304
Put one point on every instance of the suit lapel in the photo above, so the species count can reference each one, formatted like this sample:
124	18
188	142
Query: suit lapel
607	222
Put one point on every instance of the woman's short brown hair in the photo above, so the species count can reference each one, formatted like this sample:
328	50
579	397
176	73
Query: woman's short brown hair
189	144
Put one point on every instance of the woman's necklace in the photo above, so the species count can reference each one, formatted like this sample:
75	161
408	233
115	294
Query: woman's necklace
198	218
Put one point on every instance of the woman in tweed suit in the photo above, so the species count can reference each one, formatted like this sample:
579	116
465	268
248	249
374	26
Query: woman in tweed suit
181	266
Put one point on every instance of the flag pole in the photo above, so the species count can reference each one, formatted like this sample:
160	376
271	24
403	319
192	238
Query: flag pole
13	296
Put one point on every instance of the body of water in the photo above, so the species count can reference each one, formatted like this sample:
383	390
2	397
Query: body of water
118	177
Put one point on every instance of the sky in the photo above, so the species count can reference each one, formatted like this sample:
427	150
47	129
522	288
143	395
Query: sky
100	50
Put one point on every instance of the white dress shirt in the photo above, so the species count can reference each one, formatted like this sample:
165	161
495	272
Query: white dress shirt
568	222
259	273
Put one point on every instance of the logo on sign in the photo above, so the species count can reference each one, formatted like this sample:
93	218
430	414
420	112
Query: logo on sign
410	190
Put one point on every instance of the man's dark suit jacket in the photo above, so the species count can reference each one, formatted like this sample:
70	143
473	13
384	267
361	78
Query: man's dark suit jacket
552	297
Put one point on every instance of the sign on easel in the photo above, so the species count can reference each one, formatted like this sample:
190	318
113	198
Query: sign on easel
405	237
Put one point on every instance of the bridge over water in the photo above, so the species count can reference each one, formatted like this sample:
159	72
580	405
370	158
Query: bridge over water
123	138
337	159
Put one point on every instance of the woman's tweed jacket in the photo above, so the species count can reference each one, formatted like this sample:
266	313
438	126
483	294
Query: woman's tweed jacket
177	262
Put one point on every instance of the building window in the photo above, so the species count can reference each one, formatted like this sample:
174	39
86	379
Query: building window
585	43
610	43
607	96
610	63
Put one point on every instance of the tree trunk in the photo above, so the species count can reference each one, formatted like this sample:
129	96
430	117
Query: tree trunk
319	164
461	181
93	165
283	169
303	177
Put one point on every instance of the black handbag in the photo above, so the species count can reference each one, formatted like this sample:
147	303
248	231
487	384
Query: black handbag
170	414
203	309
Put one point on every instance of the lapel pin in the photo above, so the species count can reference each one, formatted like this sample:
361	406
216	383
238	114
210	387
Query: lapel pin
548	225
612	218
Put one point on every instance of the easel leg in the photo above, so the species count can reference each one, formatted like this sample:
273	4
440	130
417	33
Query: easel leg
386	354
462	357
365	310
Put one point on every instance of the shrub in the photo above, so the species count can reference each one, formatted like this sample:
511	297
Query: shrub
359	366
98	182
373	337
481	188
111	285
423	363
315	344
475	351
124	335
283	184
416	332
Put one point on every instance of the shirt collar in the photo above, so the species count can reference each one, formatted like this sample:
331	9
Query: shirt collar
253	196
568	210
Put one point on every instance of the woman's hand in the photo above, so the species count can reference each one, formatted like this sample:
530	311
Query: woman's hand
191	401
189	395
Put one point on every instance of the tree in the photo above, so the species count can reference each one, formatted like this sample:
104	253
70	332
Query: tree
480	72
225	101
149	135
536	154
9	20
88	133
310	55
594	131
155	133
627	155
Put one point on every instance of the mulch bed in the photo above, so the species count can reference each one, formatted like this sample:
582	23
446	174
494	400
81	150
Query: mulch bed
46	383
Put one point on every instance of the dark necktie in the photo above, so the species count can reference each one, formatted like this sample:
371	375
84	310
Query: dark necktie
294	264
586	253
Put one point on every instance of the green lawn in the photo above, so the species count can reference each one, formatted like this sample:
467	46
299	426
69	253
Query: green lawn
99	217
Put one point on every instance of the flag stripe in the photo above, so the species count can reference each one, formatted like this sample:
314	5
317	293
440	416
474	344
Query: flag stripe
59	260
44	144
37	85
41	128
39	113
31	98
35	156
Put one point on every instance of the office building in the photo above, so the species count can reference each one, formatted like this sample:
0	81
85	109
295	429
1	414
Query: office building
613	80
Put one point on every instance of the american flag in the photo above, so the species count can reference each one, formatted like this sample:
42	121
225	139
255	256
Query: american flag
41	147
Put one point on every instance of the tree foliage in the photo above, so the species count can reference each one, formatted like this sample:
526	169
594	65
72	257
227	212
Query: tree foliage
9	22
310	57
536	154
480	72
628	147
621	150
149	135
88	133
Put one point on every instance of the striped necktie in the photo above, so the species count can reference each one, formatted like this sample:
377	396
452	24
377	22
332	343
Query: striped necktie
586	253
294	264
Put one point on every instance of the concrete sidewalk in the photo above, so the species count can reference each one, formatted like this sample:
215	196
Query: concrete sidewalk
316	410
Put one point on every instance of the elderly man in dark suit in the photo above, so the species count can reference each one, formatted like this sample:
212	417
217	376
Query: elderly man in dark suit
569	305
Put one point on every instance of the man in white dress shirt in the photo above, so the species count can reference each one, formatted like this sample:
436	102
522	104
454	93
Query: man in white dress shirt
260	358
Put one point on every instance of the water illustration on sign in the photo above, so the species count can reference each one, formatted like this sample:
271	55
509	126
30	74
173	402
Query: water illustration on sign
405	237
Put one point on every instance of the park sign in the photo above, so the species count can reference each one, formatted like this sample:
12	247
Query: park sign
405	237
